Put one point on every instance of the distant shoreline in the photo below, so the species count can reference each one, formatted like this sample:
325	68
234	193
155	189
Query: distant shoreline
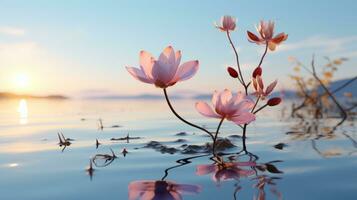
9	95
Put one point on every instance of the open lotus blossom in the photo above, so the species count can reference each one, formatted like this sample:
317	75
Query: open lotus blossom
165	71
226	170
235	108
266	32
228	23
259	87
160	190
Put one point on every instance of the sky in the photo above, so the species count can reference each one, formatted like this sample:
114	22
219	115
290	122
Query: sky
80	48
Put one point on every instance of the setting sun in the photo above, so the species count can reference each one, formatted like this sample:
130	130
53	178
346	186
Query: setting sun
21	81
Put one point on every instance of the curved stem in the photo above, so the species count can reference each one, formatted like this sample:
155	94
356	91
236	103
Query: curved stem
182	119
263	56
215	137
238	65
255	105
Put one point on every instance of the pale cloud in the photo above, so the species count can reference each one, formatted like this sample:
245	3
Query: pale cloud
13	31
327	44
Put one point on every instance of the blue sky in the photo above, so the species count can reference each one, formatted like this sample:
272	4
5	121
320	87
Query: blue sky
81	47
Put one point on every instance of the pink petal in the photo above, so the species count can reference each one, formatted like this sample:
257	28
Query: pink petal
165	67
243	106
243	118
186	71
271	87
239	97
139	75
250	164
205	169
260	82
168	54
188	189
204	109
215	98
146	63
225	97
178	58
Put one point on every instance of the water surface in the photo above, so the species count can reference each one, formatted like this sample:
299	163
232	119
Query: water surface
34	166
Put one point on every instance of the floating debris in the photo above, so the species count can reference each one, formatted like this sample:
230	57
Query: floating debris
124	152
180	141
181	134
127	138
97	143
160	147
107	159
90	169
280	146
63	141
222	145
100	124
235	136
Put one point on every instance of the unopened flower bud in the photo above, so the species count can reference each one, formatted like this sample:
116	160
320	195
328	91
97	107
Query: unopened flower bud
232	72
257	72
274	101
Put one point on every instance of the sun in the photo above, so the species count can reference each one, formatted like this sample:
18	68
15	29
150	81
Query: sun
21	81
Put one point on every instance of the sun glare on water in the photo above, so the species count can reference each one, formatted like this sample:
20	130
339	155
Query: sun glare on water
23	112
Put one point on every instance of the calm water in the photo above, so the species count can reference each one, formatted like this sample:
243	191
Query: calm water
33	166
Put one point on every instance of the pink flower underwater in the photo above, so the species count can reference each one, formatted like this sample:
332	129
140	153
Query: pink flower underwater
235	108
266	32
259	87
160	190
165	71
226	170
228	23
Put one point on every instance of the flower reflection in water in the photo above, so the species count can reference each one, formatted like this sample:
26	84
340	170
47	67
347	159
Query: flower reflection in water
23	111
160	190
264	180
223	171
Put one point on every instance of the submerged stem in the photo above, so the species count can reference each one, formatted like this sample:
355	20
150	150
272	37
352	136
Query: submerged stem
182	119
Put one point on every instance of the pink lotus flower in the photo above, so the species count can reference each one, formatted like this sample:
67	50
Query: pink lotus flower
259	87
266	32
233	108
228	23
160	190
226	170
165	71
